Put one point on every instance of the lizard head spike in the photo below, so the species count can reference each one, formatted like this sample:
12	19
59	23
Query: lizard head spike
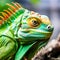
18	5
1	22
12	7
8	12
2	18
5	15
15	5
11	10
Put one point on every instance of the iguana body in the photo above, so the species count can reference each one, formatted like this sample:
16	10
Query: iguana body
22	32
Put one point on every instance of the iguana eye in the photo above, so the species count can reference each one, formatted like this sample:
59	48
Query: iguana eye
34	22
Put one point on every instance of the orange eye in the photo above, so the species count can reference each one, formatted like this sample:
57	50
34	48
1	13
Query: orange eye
33	22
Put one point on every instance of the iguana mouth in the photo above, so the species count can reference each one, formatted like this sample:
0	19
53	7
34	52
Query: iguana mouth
34	30
33	34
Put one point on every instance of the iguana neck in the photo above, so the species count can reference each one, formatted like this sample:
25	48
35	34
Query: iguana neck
12	24
15	26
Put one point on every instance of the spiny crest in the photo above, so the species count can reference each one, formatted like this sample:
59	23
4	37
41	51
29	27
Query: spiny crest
12	8
1	18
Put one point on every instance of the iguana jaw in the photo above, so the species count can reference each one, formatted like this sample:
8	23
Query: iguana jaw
33	34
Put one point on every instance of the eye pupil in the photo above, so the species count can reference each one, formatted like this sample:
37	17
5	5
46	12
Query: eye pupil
35	22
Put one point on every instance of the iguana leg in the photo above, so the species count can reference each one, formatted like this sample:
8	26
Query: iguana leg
8	47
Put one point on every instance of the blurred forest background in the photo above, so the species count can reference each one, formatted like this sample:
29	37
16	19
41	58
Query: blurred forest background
51	8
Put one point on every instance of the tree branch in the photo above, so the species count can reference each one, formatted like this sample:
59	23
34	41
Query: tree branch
50	52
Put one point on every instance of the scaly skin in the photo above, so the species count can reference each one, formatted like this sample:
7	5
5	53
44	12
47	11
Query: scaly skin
26	29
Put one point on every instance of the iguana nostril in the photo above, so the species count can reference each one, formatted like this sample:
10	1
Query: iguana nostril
50	27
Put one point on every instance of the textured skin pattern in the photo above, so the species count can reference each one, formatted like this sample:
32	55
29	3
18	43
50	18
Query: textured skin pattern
23	28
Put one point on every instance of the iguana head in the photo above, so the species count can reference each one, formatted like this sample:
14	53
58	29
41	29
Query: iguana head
34	27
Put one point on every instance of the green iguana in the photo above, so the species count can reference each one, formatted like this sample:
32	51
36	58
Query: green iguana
22	32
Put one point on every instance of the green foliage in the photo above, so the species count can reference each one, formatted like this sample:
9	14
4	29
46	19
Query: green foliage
3	2
34	1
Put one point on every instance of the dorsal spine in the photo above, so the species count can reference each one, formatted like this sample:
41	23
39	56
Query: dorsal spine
11	13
